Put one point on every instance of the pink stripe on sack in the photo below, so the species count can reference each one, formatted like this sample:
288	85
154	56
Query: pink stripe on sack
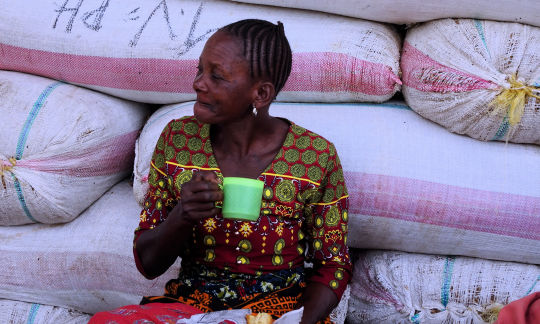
144	74
421	72
333	72
323	72
444	205
109	157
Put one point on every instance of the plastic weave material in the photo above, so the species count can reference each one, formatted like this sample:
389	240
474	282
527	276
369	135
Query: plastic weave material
62	147
398	287
15	312
474	77
414	11
147	51
85	265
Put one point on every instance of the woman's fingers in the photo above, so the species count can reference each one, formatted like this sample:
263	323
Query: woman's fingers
197	210
198	196
206	176
201	194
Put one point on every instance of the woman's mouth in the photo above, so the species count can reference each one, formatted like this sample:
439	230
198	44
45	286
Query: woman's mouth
202	108
203	103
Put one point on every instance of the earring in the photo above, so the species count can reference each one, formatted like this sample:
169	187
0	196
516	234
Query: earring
254	110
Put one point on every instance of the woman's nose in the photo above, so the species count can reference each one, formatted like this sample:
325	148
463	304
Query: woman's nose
198	83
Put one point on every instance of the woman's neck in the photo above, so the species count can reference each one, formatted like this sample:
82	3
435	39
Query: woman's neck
248	148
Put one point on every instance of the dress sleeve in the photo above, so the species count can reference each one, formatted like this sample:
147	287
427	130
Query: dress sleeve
326	222
160	197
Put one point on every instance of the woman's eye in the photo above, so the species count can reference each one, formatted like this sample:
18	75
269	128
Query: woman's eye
216	76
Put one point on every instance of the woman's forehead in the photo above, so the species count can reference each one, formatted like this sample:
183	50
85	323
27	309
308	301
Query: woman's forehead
225	46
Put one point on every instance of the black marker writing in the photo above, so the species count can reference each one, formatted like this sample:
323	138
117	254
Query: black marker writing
162	4
98	16
134	12
91	19
190	42
74	11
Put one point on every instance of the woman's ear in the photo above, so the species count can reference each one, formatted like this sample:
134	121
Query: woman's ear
265	93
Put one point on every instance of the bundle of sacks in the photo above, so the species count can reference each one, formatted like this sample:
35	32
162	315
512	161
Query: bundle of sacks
148	50
479	78
461	215
415	11
62	147
399	287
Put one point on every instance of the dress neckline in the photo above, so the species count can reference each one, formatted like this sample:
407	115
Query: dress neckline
269	166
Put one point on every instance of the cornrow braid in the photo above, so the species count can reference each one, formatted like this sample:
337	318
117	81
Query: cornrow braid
266	48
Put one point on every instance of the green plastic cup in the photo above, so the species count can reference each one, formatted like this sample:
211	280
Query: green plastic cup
242	198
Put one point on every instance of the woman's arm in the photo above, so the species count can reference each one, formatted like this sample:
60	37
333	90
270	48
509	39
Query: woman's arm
318	301
327	229
158	248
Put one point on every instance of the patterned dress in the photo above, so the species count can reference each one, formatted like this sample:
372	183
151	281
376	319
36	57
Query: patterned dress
236	263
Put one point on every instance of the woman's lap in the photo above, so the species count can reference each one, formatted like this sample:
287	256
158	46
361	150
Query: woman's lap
191	294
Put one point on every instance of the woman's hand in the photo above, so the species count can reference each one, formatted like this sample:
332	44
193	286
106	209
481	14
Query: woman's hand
158	248
318	301
198	197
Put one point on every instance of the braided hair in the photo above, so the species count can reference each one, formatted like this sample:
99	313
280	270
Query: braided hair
266	48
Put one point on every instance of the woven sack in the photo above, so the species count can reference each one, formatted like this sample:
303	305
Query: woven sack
465	197
61	147
399	287
17	312
413	11
479	78
86	265
147	51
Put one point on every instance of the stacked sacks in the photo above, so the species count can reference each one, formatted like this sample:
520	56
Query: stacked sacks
85	265
479	78
62	147
414	11
148	51
413	186
398	287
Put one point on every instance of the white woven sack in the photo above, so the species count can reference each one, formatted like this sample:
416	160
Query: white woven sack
147	51
454	69
465	197
145	144
61	147
85	265
413	11
398	287
17	312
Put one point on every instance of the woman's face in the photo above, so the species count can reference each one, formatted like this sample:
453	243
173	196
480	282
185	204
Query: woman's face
224	87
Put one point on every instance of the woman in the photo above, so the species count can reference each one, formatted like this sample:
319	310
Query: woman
229	264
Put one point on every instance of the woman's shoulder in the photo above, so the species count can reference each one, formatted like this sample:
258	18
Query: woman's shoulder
188	124
305	138
184	120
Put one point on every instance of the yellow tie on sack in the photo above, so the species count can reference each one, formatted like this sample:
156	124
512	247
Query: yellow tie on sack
513	99
5	168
